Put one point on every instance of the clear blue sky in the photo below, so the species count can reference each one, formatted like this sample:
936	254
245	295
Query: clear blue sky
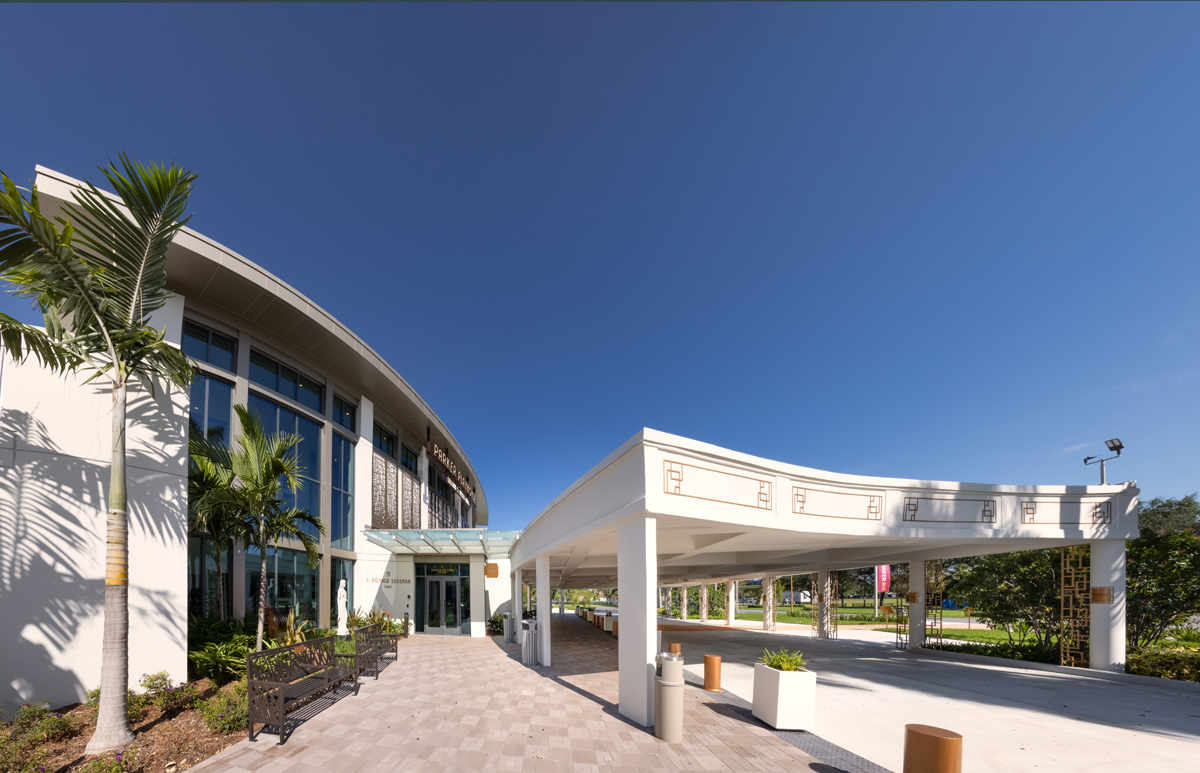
948	241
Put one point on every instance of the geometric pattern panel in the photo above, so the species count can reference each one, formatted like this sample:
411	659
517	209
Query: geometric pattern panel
935	594
1075	626
949	510
1066	512
410	497
900	583
837	504
688	480
383	494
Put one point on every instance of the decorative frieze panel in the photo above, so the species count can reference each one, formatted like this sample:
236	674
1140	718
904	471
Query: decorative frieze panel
383	493
837	504
1066	512
688	480
410	500
949	510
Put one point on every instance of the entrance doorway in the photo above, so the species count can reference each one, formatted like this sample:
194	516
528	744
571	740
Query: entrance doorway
442	606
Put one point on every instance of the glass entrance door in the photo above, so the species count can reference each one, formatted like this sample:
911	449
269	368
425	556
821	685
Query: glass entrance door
441	607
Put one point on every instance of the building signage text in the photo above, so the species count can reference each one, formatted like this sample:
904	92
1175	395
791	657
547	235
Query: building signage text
464	484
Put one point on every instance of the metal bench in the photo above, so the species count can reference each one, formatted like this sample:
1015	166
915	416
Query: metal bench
370	644
281	679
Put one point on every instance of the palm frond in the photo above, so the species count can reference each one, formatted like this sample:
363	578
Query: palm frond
21	340
132	242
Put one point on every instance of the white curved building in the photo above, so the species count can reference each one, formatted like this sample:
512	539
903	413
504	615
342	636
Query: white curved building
375	455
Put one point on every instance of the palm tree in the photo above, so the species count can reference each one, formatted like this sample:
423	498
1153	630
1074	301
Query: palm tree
97	275
247	484
210	471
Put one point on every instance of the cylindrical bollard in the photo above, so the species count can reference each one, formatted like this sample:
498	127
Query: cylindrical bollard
712	673
675	648
668	698
930	749
510	635
405	633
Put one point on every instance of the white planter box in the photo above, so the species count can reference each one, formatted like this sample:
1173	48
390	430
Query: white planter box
608	621
785	700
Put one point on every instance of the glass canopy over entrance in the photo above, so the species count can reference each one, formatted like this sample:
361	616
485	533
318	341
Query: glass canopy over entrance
449	542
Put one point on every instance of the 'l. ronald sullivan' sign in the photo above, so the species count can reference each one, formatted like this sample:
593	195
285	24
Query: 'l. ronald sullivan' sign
444	460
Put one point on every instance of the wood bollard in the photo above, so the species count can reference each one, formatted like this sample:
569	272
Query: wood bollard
712	673
405	636
675	648
930	749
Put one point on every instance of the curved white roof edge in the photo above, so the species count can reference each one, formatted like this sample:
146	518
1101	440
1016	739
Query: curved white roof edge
657	439
207	249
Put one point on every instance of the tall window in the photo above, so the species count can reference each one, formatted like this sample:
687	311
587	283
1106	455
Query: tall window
408	459
384	441
341	520
345	413
211	399
268	373
277	418
204	345
291	584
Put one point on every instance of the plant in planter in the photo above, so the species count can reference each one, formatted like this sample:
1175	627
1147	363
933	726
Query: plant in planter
784	691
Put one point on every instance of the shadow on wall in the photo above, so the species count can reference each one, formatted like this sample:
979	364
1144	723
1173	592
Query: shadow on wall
52	523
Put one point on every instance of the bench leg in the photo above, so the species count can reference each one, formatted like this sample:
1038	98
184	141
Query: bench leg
279	727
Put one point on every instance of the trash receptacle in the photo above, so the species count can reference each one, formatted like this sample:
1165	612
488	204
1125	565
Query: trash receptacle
509	635
529	642
668	697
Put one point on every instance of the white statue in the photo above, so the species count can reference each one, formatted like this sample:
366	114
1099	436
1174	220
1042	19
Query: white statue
341	607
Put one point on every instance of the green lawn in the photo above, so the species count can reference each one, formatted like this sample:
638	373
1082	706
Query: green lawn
982	635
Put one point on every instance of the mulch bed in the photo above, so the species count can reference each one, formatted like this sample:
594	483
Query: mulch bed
181	737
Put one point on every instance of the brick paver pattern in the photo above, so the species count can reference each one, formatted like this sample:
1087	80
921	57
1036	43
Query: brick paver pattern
463	704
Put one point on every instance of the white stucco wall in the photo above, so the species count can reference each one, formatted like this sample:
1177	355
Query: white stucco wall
55	448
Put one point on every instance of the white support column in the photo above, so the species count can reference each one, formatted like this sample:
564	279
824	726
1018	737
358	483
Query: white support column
704	603
683	596
562	600
543	607
768	589
1107	618
518	606
821	605
916	609
730	601
637	577
478	600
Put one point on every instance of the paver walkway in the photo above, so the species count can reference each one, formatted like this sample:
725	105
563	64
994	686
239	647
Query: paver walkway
462	704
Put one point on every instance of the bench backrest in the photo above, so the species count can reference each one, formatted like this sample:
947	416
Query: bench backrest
290	662
368	637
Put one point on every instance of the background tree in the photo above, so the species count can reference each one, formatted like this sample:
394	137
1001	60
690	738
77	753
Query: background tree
97	275
1162	569
261	467
1016	589
210	471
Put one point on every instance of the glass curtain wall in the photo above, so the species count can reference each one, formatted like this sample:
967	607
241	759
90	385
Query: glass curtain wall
341	520
291	585
203	580
277	418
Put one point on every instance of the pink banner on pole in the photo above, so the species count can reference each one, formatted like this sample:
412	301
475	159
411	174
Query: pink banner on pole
883	578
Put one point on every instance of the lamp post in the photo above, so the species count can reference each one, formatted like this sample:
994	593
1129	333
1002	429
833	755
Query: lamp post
1113	445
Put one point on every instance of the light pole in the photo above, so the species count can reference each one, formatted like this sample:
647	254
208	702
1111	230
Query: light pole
1113	445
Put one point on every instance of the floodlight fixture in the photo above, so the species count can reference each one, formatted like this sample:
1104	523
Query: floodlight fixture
1114	445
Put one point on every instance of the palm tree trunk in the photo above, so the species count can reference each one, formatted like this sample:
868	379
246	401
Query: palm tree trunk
220	583
112	720
262	593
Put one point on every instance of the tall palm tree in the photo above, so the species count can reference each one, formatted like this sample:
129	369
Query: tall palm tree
248	484
97	274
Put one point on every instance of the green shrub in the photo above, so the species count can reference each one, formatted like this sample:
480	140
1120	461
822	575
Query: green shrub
167	695
227	711
784	660
1185	635
124	761
1166	662
220	661
1030	652
33	726
495	624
